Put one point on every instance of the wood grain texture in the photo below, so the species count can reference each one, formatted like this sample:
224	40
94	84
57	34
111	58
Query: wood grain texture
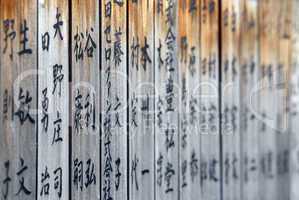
209	103
249	131
189	99
53	99
167	100
293	103
18	78
114	100
230	69
141	100
85	98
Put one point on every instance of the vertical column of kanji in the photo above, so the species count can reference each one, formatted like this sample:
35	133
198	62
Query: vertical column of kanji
249	100
18	86
230	70
281	74
268	18
141	99
53	100
114	99
189	77
85	100
166	100
209	103
294	104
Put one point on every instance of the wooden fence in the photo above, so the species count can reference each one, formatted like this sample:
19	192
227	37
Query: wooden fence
149	99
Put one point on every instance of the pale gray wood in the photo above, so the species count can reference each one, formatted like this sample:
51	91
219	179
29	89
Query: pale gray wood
189	79
230	69
268	52
209	103
249	101
167	116
281	85
114	102
85	82
20	139
141	95
294	104
53	156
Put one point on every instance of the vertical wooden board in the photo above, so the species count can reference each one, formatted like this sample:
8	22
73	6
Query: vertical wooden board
268	47
53	100
19	87
141	100
209	103
85	100
249	100
166	100
114	99
230	69
189	77
294	104
283	29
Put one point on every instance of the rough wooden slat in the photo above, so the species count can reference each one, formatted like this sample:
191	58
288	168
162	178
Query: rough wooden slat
189	78
141	100
283	29
230	69
209	103
167	100
294	103
85	108
268	47
114	100
249	100
53	100
18	80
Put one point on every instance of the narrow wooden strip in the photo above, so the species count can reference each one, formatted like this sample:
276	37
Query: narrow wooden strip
53	100
249	100
167	100
209	103
19	88
114	100
141	100
85	98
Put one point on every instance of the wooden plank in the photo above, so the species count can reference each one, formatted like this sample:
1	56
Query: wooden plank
53	100
114	100
18	82
167	100
294	103
283	29
209	103
268	17
141	100
189	77
249	100
85	108
230	69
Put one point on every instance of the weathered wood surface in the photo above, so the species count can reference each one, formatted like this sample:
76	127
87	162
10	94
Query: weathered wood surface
209	103
19	98
85	100
293	125
141	100
167	100
267	113
230	88
53	99
189	79
249	99
282	76
114	103
163	99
